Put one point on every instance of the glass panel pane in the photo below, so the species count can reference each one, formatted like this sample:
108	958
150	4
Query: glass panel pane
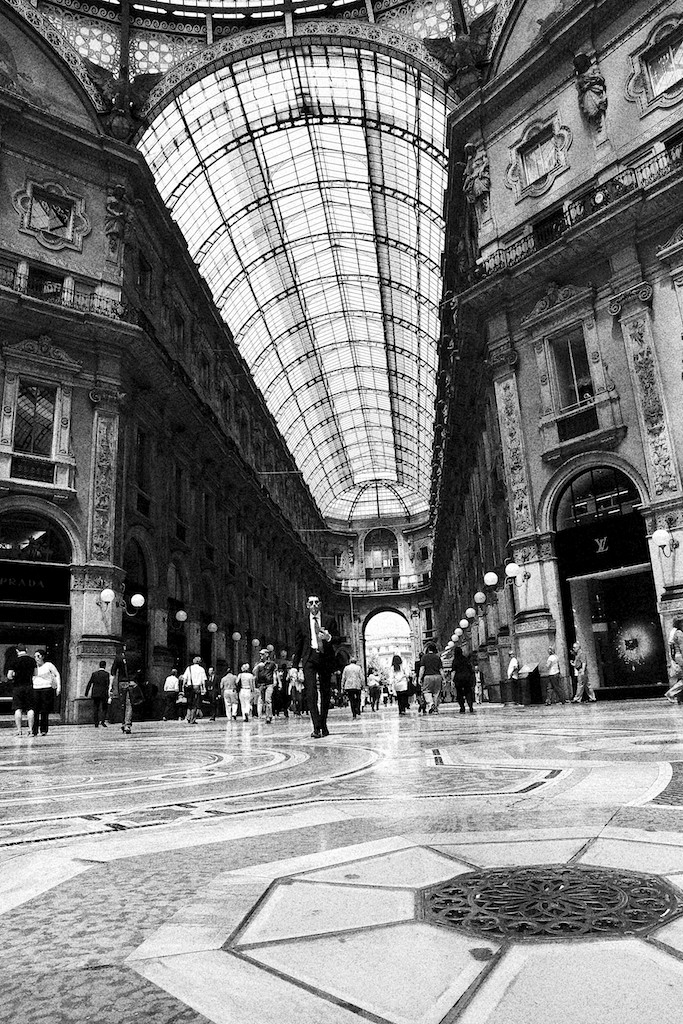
309	185
34	419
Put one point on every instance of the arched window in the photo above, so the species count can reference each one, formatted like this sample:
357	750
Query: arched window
381	557
30	537
597	493
135	568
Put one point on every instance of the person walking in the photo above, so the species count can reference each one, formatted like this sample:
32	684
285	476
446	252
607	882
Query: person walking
399	682
121	679
463	678
230	697
581	669
352	684
100	684
46	685
554	683
194	684
296	691
314	651
675	692
430	678
211	693
374	689
21	677
171	691
245	686
264	676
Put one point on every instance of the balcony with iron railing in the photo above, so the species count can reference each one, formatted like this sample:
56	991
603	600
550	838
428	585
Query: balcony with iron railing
59	291
591	203
390	583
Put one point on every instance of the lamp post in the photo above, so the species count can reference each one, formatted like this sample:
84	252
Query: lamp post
236	637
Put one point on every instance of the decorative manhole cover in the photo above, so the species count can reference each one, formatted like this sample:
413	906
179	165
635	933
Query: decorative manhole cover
552	902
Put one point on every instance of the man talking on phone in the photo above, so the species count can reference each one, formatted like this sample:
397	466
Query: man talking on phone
314	651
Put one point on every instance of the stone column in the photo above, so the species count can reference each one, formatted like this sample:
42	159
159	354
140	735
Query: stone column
96	626
635	320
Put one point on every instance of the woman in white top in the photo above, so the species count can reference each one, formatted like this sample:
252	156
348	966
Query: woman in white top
46	683
399	681
245	682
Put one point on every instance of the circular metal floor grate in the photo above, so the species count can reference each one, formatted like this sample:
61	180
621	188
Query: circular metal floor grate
552	902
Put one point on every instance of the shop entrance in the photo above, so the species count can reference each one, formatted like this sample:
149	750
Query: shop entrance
608	593
34	593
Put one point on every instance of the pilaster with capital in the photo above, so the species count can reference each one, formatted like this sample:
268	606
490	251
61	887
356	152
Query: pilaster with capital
632	309
105	438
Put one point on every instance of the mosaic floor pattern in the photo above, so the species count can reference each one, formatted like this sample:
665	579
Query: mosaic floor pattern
514	866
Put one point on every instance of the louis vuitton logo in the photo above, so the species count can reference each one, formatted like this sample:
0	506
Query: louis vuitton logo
601	545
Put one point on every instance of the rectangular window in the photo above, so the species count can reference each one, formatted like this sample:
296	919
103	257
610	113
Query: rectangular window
665	66
539	157
178	492
34	425
337	559
178	330
43	285
141	460
144	278
573	381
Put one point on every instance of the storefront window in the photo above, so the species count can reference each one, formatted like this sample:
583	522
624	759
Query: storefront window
29	537
596	494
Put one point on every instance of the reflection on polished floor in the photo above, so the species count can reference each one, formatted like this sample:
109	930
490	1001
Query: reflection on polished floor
519	865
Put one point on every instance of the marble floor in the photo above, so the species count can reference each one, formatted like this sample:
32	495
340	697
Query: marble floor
509	867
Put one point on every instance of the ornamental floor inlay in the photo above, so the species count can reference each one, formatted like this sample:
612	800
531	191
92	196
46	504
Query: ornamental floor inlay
552	902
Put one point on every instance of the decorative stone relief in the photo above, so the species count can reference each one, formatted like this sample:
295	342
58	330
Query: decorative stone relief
641	292
103	487
647	385
558	301
45	357
513	453
117	213
54	216
476	182
592	90
88	577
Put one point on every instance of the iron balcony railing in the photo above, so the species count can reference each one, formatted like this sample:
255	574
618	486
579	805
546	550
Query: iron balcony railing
388	584
593	201
52	290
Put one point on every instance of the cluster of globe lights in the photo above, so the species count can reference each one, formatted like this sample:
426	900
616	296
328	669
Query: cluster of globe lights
512	571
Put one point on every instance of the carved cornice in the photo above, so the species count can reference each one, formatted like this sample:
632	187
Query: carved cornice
42	354
557	303
640	293
97	577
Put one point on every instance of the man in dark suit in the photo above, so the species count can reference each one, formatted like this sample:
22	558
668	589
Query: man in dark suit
314	651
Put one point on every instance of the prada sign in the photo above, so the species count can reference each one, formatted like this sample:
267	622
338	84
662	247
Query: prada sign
34	583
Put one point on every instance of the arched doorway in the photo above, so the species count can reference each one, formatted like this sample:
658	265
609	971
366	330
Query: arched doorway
608	593
35	585
385	634
176	636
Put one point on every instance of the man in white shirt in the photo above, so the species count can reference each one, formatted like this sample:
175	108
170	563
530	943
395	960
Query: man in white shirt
554	683
194	683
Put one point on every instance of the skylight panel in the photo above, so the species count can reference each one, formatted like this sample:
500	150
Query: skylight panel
329	282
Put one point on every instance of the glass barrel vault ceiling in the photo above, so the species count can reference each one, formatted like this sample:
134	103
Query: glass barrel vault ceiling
309	185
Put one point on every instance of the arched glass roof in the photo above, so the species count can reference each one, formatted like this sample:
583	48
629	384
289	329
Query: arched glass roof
308	181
